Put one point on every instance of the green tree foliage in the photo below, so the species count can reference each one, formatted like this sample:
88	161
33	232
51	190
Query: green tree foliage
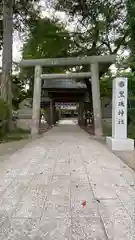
100	27
106	87
46	39
106	84
131	24
103	23
18	91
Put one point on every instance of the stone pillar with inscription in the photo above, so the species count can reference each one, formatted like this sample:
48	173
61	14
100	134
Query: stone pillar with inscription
119	140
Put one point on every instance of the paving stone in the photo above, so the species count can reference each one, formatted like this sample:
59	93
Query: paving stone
41	179
11	197
102	187
116	220
59	183
79	177
127	197
66	186
87	228
32	203
54	228
57	206
4	183
62	168
129	176
80	210
4	224
58	197
23	229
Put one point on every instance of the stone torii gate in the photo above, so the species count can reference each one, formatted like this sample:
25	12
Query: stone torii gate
93	61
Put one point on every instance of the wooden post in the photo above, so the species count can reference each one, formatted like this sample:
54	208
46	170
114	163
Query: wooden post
36	101
96	100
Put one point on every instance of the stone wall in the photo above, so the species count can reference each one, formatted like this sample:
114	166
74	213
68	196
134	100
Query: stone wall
24	123
24	114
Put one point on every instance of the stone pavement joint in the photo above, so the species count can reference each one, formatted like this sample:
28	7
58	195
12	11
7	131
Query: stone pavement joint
43	188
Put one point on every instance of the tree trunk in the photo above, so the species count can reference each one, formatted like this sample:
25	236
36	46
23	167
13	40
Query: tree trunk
6	81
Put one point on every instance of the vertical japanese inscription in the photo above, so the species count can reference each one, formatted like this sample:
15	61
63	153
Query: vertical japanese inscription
121	102
119	108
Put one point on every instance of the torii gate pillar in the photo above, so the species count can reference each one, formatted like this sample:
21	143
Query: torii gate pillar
96	100
36	101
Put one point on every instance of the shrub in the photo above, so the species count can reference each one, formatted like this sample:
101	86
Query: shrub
131	116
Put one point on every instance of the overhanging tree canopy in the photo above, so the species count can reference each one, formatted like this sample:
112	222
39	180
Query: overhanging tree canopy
103	23
47	38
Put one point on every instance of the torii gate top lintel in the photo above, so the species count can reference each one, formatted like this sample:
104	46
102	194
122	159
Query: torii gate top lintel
71	61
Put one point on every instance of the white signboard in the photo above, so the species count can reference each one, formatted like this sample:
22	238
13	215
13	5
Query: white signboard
119	108
69	106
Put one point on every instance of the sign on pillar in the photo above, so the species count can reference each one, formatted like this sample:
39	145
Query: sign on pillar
119	140
119	108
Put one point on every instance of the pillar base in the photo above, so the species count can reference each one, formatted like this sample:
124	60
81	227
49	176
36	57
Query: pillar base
120	144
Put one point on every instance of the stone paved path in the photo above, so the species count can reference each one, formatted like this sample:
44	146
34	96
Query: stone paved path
43	186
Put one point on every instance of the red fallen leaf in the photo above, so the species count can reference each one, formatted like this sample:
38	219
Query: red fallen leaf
84	203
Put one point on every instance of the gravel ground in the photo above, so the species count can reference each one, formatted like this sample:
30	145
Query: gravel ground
8	148
127	157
